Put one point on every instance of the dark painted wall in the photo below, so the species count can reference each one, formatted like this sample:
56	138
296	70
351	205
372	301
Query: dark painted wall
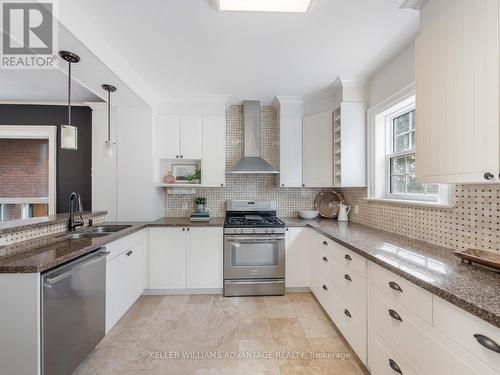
73	167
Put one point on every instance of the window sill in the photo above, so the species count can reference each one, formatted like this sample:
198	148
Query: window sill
404	202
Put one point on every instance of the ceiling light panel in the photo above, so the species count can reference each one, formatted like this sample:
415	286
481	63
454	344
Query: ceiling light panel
290	6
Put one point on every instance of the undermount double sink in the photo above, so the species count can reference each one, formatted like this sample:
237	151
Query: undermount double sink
94	232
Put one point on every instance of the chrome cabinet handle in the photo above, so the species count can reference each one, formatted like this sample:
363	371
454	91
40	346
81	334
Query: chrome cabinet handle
325	259
347	313
395	366
395	286
487	342
347	277
325	243
348	257
325	287
129	253
394	315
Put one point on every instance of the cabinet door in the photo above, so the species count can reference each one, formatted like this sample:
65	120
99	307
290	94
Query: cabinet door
204	260
296	258
290	151
168	136
191	137
458	92
167	258
214	151
116	290
317	150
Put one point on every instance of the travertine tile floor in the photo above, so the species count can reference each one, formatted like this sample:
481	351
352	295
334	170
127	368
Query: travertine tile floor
276	334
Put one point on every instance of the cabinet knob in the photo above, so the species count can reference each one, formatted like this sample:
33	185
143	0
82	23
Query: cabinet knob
395	286
182	156
177	156
221	184
129	253
283	185
325	287
183	229
347	257
303	185
188	229
325	243
347	277
347	313
489	176
325	259
394	315
487	342
395	366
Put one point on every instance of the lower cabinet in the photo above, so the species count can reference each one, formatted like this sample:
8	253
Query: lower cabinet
296	258
185	257
126	275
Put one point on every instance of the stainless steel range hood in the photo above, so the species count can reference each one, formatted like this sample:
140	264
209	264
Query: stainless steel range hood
252	162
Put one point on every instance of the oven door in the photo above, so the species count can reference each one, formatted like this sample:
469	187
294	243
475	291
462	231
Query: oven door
254	256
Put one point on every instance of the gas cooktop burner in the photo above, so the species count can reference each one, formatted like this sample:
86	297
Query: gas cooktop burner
246	222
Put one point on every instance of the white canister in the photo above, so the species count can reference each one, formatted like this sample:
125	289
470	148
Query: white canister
343	212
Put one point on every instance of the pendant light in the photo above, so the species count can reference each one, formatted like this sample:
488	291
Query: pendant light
108	145
69	133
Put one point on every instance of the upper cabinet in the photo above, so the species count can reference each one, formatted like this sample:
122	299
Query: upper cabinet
317	150
180	137
214	151
458	92
290	137
349	145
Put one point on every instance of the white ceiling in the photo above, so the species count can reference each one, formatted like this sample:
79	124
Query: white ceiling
41	86
185	47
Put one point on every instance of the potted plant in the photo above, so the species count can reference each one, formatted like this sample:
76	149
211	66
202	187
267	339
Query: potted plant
195	178
200	204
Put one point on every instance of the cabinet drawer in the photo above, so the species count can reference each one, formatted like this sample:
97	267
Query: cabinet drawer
406	331
414	298
461	327
350	286
350	259
125	244
386	361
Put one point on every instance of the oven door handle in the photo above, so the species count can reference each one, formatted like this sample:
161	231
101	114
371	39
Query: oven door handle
254	238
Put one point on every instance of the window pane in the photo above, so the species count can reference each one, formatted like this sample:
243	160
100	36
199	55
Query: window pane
398	185
413	120
402	142
411	164
12	212
413	187
398	165
413	140
432	189
402	123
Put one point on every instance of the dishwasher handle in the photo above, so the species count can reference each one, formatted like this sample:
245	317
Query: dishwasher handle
91	260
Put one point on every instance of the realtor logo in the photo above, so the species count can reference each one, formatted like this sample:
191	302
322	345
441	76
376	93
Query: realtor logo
28	35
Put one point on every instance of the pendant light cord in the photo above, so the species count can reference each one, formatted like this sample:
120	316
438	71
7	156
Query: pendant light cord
69	93
109	116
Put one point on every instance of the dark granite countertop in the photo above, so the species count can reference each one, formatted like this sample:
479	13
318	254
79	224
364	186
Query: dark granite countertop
38	222
431	267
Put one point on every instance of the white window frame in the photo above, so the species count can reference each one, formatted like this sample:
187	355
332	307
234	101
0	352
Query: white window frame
35	132
380	119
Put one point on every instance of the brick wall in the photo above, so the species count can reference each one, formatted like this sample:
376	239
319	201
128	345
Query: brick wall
24	168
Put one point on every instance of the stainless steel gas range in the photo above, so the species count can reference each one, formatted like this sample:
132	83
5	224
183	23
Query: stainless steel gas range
254	249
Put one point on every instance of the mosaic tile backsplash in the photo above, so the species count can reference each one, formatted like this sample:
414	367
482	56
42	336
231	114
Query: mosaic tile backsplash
290	200
474	222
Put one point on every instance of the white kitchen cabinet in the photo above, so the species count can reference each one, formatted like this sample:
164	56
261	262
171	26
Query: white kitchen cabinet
317	150
214	151
457	80
296	258
191	137
179	137
126	275
290	136
349	145
185	257
167	258
204	258
168	136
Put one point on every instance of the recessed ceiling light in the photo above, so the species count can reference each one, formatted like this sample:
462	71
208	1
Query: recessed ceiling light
291	6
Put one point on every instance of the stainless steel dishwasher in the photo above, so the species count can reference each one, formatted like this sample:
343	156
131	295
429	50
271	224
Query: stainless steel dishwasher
73	312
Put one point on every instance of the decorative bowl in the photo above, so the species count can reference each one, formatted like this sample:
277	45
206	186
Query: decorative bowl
308	214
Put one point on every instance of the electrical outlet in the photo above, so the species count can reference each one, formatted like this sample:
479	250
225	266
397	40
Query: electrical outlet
356	209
